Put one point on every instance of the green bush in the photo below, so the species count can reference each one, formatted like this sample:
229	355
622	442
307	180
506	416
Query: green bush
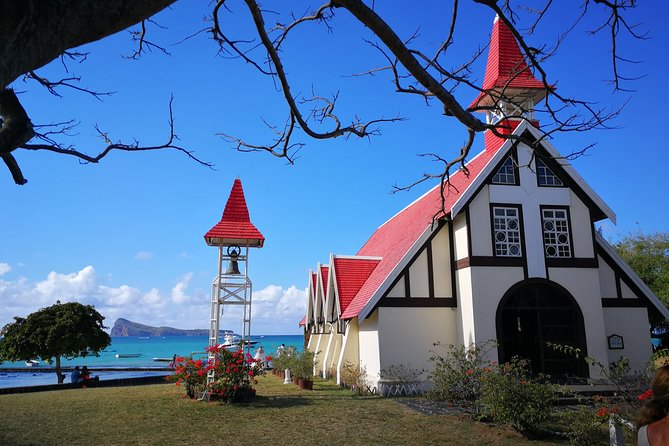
510	395
584	427
302	365
457	376
354	376
285	359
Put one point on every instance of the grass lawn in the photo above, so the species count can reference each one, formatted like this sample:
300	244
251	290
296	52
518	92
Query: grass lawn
280	415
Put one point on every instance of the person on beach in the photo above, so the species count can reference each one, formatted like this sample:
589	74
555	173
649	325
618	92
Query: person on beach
75	376
86	376
260	357
653	418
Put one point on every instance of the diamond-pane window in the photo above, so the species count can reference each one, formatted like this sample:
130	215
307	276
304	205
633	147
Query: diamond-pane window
506	230
545	176
506	174
556	233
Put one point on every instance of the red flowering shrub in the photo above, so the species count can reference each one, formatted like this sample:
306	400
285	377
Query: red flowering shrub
192	373
235	373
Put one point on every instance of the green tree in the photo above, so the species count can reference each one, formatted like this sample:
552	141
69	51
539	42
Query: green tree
648	255
66	330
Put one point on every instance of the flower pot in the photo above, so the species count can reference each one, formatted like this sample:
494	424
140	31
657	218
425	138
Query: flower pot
305	384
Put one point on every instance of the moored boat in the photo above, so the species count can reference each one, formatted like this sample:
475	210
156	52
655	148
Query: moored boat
128	355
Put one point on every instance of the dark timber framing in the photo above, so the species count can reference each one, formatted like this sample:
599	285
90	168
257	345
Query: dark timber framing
424	301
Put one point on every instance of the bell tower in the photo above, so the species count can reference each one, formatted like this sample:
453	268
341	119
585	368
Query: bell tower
510	90
234	235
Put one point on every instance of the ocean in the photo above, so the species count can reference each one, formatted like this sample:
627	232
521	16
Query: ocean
147	348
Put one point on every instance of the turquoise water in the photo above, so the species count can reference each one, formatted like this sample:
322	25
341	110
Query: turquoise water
146	347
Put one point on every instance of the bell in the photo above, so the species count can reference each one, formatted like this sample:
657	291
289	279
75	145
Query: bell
233	267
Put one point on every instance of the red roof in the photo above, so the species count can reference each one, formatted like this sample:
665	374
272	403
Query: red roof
350	273
313	282
303	322
235	227
325	270
507	69
393	240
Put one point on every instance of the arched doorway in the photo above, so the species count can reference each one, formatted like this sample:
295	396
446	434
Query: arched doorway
534	313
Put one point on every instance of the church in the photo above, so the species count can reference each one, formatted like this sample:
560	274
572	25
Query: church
513	257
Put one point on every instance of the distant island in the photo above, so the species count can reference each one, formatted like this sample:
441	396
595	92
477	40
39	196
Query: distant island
124	327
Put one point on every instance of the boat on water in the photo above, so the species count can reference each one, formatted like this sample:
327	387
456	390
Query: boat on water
32	363
128	355
163	359
233	340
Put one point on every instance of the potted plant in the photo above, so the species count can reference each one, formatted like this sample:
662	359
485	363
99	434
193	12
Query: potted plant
303	369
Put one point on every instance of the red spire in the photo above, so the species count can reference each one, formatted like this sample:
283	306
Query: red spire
507	70
235	227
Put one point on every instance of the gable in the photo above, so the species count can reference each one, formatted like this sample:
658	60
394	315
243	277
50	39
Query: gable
630	290
398	239
552	158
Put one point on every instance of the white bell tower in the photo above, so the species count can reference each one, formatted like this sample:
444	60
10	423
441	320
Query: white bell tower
234	235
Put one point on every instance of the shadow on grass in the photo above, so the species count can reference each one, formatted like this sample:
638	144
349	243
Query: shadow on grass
279	401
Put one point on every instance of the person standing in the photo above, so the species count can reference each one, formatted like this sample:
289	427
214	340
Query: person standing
653	417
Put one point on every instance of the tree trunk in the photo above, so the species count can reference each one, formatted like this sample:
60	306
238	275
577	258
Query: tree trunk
61	376
33	33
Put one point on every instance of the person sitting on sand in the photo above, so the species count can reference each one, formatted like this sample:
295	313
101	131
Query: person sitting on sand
75	376
653	418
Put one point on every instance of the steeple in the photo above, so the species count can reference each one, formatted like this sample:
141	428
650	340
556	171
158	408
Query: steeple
510	88
235	227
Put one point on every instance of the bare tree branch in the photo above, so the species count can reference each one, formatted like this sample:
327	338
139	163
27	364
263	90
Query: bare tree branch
53	146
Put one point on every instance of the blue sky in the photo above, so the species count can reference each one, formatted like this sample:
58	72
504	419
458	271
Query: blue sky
127	234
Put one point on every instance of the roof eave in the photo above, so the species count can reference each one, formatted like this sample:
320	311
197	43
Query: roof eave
632	275
371	302
578	179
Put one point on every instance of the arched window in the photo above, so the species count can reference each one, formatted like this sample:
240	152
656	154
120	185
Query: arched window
535	313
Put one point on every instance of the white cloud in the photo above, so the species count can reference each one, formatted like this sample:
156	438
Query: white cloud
276	310
4	268
143	255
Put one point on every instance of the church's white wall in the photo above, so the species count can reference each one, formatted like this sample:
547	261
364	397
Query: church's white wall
350	352
418	276
441	264
368	336
460	235
465	309
333	353
398	290
583	285
489	286
581	228
626	292
607	280
479	222
632	324
407	335
320	344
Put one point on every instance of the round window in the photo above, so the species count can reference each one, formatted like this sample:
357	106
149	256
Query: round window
514	250
551	251
562	238
512	224
549	226
500	236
